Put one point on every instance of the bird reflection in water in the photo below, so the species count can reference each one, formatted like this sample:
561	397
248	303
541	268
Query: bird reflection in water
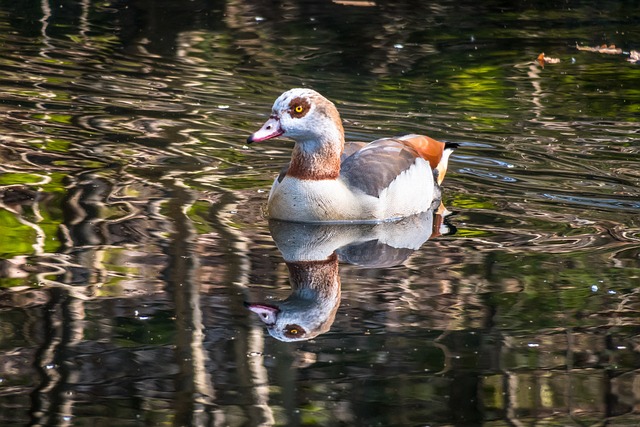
312	253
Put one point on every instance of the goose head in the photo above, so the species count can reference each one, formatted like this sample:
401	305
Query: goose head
304	116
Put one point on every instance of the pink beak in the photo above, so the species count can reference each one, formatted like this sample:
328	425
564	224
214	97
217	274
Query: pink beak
270	129
266	312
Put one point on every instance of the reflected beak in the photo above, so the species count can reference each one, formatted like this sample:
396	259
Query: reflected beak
270	129
267	313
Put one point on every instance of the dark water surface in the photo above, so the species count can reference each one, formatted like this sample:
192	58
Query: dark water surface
132	230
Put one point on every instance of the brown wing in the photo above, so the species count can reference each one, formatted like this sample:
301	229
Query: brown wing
372	168
428	148
435	152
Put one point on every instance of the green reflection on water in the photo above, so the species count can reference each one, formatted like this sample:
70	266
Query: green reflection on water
20	178
16	238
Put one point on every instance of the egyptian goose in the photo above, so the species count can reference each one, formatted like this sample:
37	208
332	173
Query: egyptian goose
328	180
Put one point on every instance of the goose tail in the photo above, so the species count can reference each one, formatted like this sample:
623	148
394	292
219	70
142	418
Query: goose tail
441	168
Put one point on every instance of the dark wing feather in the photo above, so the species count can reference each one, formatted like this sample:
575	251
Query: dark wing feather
351	147
373	254
372	168
283	172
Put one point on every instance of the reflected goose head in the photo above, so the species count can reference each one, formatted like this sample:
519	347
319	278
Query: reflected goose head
302	115
311	308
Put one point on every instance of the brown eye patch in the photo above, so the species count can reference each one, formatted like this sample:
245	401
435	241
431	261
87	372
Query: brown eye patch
293	331
299	107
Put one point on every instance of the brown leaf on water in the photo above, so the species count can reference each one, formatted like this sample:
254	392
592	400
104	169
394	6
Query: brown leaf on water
542	59
609	50
634	55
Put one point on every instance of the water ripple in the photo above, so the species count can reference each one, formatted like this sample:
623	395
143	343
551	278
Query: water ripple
595	201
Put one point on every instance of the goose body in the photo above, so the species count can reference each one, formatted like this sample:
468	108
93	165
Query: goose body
330	180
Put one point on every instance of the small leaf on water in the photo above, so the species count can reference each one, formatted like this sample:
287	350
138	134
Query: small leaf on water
542	59
609	50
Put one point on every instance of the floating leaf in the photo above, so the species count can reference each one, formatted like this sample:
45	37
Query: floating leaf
610	50
542	59
634	55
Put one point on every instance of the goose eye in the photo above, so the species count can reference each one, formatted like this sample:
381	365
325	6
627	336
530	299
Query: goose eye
299	107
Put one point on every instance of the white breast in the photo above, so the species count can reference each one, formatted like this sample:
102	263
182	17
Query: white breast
294	199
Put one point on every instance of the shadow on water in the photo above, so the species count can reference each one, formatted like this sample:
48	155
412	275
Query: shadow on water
131	226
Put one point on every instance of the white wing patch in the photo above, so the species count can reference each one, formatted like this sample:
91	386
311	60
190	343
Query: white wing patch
410	193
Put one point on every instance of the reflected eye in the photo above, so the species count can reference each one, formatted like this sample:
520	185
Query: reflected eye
293	331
